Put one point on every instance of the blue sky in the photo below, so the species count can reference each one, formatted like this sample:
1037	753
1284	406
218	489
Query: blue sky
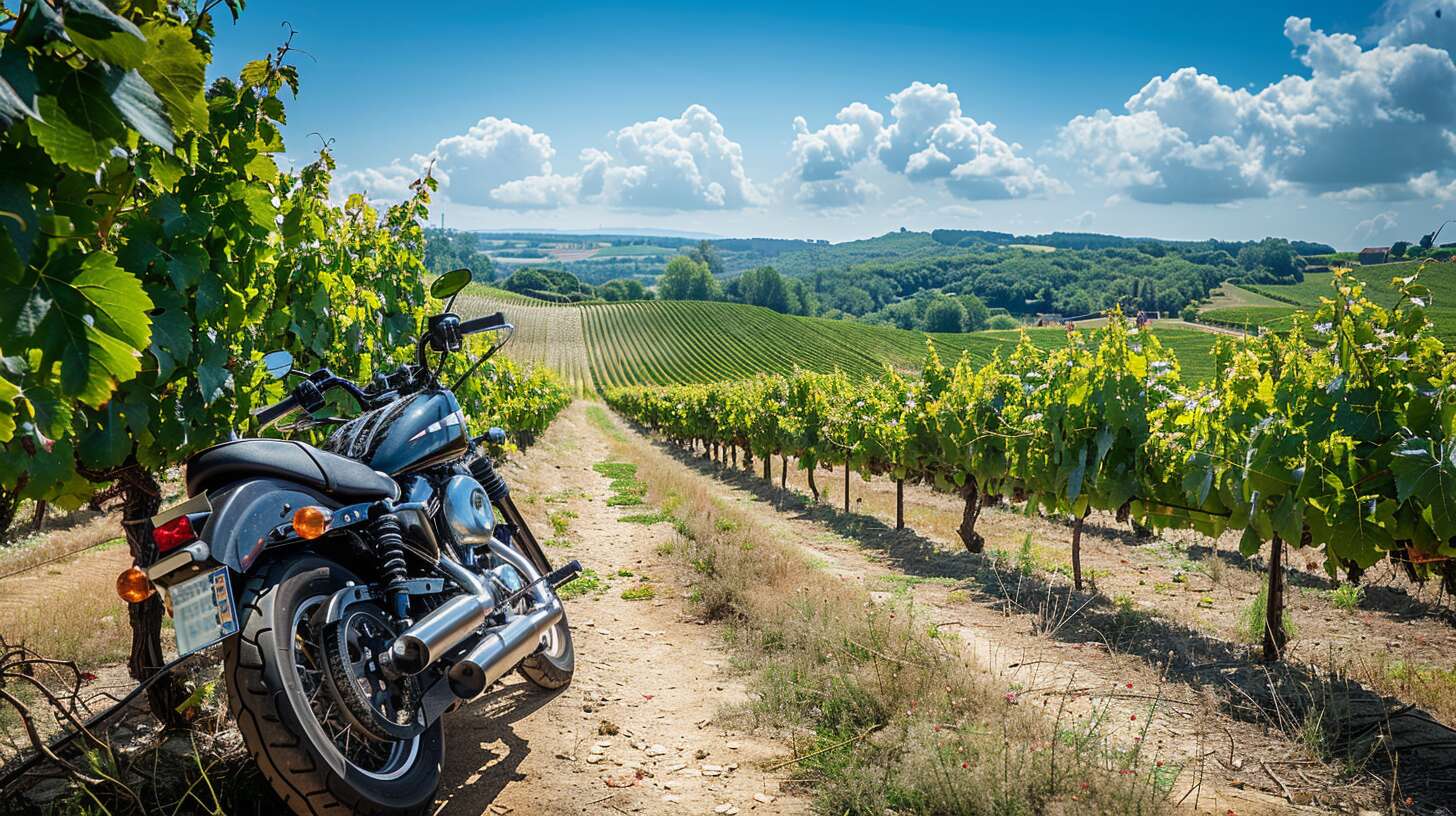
545	115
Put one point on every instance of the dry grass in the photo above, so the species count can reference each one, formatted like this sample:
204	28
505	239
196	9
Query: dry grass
34	550
885	713
71	610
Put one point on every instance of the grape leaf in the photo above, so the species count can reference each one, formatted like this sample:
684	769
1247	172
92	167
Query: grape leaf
139	106
78	124
8	392
1426	473
105	443
171	334
176	71
17	88
104	35
96	326
212	374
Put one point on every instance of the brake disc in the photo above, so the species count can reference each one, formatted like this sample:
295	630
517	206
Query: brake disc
381	707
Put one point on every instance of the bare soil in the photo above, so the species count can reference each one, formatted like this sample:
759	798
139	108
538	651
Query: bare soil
1238	733
637	731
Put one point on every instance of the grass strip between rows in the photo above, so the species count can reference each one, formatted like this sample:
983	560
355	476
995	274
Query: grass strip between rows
885	713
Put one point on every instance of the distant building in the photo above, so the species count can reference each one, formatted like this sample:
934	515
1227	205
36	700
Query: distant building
1374	255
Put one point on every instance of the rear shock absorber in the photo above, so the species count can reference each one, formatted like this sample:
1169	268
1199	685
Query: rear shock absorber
388	536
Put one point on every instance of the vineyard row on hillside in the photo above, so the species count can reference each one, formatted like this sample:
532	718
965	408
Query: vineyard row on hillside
1336	435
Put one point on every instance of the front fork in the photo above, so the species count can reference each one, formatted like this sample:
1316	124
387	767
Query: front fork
519	533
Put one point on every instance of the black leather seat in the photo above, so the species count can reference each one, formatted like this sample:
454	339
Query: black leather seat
344	479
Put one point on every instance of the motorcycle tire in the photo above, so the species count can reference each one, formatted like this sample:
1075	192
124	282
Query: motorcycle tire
268	680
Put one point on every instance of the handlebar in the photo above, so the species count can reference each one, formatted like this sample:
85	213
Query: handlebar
444	334
272	413
487	323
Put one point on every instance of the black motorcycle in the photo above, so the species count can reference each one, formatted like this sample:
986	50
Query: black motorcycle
362	589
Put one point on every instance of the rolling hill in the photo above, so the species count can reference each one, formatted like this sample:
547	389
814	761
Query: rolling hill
1271	306
601	345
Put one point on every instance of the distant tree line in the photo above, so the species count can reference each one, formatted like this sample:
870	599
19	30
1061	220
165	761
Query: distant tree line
947	280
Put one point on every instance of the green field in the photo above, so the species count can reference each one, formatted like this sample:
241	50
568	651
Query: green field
1440	278
602	345
632	251
1250	318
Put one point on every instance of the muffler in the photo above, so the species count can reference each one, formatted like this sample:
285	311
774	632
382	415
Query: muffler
448	626
501	649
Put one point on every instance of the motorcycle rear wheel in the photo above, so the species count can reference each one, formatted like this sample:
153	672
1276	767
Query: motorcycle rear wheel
287	717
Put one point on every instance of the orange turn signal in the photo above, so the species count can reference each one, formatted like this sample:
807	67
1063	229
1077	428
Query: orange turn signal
311	521
133	587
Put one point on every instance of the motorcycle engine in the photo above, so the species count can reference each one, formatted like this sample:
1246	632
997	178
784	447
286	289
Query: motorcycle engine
467	510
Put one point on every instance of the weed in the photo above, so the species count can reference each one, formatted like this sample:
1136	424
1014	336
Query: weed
560	520
586	583
616	470
1254	617
654	517
1026	558
641	592
1346	596
624	573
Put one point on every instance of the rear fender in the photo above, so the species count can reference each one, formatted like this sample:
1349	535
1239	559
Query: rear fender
246	517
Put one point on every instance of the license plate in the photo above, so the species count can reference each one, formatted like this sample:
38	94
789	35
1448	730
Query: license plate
203	611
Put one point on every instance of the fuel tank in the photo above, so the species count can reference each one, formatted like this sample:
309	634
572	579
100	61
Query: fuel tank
410	433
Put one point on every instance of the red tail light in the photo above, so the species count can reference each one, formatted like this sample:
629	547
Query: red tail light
173	534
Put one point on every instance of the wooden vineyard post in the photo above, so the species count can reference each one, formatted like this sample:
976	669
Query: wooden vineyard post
1274	635
846	484
768	468
1077	551
783	471
899	504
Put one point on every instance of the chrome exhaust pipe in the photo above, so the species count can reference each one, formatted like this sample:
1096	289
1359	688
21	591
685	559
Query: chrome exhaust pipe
501	649
448	626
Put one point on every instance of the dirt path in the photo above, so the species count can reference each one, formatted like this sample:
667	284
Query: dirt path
1027	639
635	731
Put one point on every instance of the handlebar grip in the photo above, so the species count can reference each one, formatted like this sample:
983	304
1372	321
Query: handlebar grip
272	413
487	323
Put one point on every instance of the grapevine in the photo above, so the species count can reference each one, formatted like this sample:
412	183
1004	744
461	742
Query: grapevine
1338	435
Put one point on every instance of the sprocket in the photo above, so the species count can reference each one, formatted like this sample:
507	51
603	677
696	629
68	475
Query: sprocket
383	707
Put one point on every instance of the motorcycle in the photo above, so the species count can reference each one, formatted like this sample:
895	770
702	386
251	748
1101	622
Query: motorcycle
364	588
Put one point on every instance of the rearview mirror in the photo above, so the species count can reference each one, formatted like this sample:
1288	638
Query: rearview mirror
278	364
450	283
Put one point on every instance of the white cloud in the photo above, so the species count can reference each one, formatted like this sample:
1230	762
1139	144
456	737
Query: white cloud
1376	225
835	193
1084	219
1189	138
1432	22
685	163
824	159
905	206
960	211
536	192
474	165
929	140
378	184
